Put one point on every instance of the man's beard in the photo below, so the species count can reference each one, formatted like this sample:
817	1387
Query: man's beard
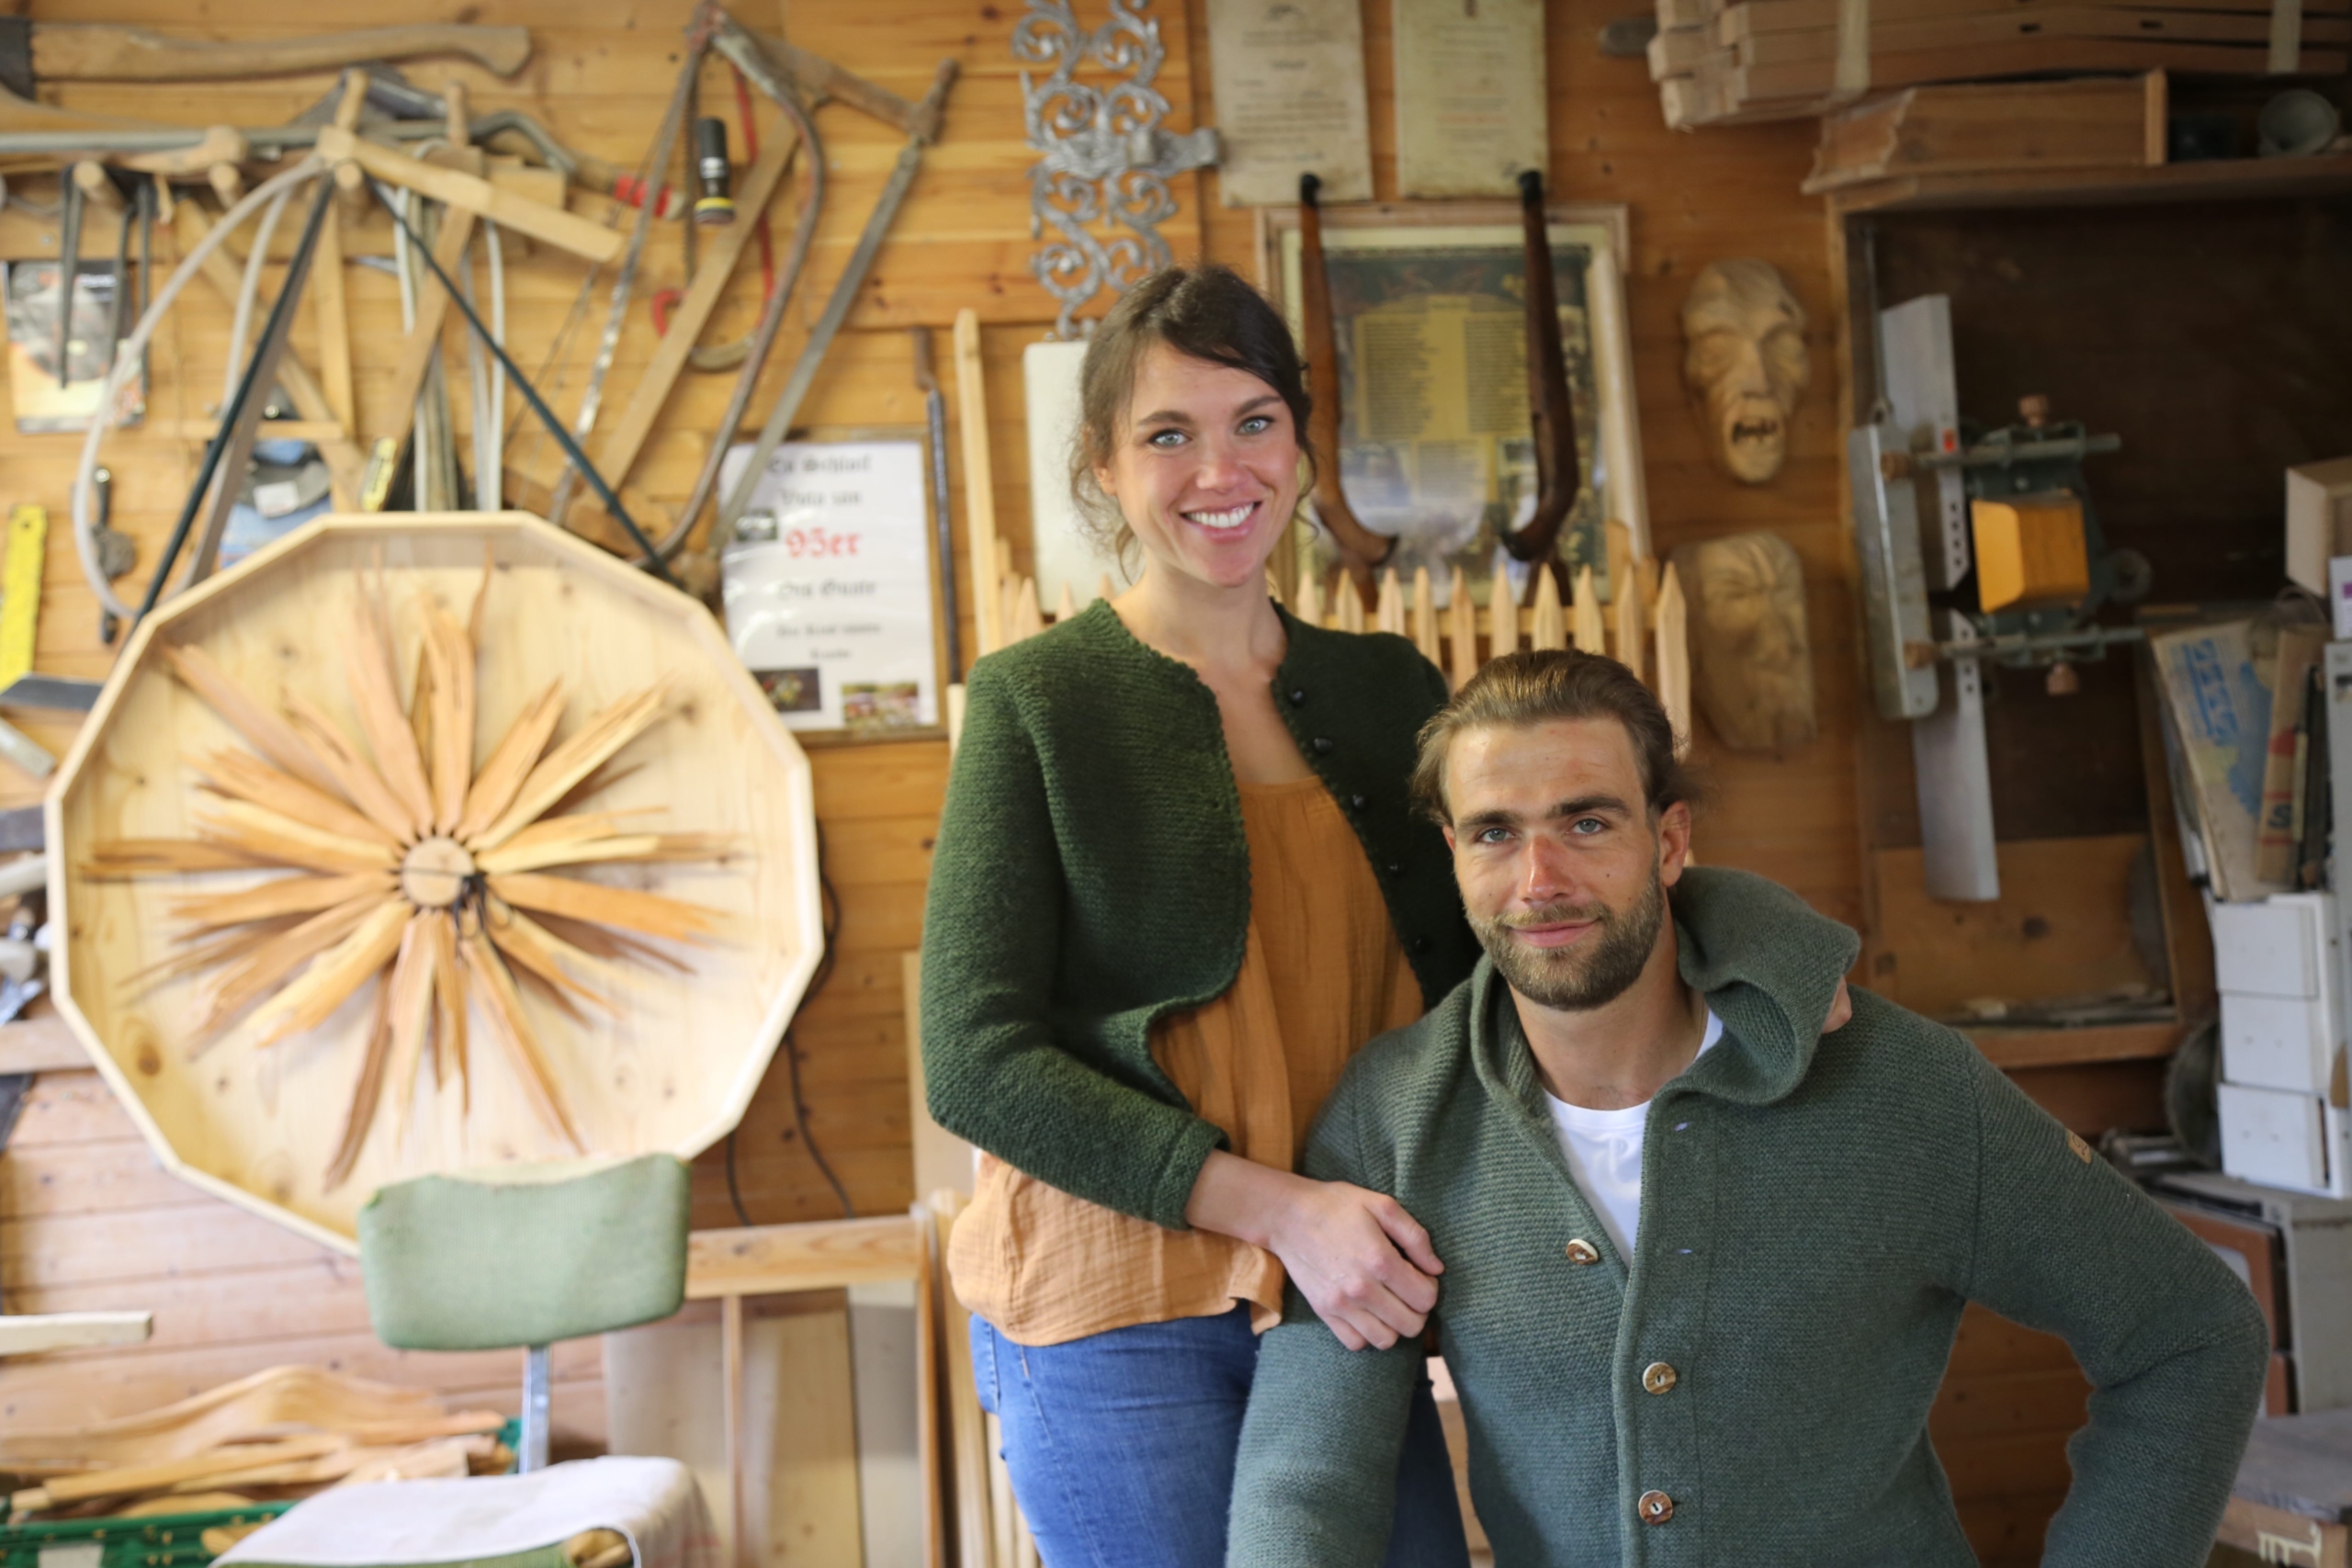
1590	973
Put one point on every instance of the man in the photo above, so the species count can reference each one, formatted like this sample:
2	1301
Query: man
1703	1261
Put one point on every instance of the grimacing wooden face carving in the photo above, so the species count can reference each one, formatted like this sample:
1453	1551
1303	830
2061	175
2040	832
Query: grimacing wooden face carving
1745	363
1748	632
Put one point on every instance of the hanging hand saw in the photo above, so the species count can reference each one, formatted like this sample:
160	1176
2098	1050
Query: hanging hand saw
821	337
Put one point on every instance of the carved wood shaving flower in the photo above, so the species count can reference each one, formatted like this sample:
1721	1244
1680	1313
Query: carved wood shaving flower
413	863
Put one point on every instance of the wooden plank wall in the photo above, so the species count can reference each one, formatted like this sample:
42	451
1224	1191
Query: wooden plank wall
86	1219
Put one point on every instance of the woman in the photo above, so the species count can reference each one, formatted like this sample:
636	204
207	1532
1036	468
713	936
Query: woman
1178	882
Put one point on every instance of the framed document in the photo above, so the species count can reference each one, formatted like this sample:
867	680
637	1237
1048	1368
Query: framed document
1470	104
1436	445
1290	99
829	585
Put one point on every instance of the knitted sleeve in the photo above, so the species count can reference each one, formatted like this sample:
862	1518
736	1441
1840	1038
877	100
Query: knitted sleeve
2174	1347
1316	1482
993	1072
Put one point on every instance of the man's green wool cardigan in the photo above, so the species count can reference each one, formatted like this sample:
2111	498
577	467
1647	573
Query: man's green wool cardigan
1091	877
1815	1210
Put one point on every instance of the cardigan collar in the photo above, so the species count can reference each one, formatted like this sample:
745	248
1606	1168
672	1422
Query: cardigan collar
1766	964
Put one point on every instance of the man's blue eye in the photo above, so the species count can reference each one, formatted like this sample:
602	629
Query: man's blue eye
1594	823
1493	835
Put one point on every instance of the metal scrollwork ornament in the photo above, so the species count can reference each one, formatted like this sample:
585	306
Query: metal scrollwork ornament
1104	159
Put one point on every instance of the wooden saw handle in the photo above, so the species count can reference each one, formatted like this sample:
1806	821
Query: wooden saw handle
85	53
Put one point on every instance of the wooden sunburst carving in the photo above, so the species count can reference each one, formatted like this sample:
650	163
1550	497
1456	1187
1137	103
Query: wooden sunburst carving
410	863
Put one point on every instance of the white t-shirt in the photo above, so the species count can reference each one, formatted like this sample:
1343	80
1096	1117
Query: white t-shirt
1604	1150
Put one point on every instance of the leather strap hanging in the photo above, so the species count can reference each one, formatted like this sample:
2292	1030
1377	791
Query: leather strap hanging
1559	473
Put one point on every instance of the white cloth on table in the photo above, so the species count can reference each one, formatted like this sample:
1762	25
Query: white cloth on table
653	1502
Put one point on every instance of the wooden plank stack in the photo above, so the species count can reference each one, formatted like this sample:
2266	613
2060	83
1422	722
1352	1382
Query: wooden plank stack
2090	122
1732	61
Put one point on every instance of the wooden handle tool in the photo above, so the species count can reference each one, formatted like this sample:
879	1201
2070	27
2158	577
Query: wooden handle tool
85	53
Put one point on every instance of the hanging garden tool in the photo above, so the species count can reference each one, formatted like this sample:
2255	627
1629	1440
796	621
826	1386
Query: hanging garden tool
1361	551
1558	473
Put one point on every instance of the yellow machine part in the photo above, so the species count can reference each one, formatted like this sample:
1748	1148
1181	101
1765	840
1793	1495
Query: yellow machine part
2030	551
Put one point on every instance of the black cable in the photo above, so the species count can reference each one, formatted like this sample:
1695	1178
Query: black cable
571	451
734	1192
830	916
274	331
829	921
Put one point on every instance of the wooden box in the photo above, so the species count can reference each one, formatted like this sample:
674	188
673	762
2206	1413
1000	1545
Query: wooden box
689	1024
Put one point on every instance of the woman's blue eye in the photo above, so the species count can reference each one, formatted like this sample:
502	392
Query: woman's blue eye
1164	438
1257	422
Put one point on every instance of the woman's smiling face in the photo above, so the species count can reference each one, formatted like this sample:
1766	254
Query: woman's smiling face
1206	469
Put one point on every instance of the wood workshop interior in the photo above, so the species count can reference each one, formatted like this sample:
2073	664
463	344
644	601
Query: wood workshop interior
651	653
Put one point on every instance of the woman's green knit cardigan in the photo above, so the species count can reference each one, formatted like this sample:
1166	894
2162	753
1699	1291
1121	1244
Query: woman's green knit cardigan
1091	877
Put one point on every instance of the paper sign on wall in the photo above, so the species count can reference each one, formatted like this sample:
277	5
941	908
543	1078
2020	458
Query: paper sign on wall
828	584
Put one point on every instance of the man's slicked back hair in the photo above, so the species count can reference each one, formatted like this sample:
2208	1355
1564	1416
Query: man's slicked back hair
1522	690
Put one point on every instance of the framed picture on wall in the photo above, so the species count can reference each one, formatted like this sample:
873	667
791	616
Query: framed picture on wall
1427	308
830	587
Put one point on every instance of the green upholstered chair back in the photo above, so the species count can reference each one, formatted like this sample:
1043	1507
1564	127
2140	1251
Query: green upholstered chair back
524	1255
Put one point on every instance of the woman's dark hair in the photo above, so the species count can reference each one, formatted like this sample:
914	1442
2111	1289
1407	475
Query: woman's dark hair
1204	311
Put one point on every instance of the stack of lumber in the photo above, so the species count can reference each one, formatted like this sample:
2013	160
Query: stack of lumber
282	1433
2091	122
1718	62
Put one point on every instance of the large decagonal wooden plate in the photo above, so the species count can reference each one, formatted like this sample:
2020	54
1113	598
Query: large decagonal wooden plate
692	1023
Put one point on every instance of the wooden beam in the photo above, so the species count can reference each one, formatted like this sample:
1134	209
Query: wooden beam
826	1256
31	1333
979	483
472	194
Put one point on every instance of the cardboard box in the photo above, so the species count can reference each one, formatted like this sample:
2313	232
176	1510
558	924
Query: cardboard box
2288	1042
2319	521
2281	1139
2278	946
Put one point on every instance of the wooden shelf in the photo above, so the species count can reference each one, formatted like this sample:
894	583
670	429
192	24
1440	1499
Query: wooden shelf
2234	179
2010	1049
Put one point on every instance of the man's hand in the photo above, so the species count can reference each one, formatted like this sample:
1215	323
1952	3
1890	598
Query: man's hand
1363	1263
1841	1012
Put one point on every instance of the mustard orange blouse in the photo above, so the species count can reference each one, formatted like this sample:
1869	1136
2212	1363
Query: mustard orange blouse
1322	972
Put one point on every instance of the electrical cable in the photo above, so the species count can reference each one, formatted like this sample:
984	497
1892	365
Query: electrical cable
127	355
571	451
830	917
273	338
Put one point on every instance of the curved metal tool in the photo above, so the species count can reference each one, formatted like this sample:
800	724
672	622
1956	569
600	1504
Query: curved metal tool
1361	551
821	336
1558	473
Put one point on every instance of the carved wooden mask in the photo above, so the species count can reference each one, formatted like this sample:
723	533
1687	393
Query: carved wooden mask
1753	659
1745	363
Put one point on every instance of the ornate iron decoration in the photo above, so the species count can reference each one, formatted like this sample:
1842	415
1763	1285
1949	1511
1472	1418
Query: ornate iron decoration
1104	157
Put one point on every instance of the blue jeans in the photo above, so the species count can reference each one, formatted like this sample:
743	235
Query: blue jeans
1122	1445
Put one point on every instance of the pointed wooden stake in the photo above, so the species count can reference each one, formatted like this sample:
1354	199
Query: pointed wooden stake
1591	632
1390	615
1625	615
1351	604
1673	682
1462	635
1551	630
